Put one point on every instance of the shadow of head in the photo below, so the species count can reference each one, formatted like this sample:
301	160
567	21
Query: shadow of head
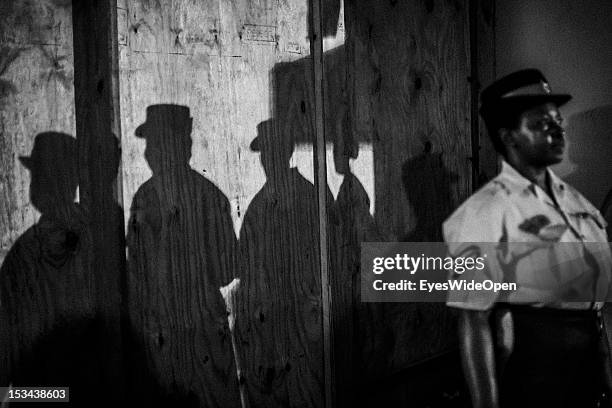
53	170
274	147
167	131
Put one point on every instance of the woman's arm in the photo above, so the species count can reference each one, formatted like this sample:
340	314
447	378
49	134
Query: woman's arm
478	359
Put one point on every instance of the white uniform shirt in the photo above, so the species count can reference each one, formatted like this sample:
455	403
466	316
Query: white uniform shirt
558	255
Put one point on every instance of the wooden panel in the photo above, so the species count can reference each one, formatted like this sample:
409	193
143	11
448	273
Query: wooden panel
46	287
36	95
349	218
96	96
59	320
279	251
47	320
221	72
408	97
281	327
483	55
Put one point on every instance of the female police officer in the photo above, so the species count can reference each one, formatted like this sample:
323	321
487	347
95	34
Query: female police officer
539	345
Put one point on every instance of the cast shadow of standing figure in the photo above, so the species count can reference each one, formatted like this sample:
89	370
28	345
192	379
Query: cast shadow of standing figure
181	250
49	332
350	215
280	309
428	186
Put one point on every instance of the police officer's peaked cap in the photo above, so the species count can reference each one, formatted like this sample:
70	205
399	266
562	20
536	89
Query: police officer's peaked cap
518	92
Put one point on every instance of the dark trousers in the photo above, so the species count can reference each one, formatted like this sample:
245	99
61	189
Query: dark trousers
554	362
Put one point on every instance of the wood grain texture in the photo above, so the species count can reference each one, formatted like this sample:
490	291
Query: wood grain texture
281	314
96	106
483	22
48	324
181	251
349	220
228	63
46	285
193	183
281	317
317	30
36	95
407	73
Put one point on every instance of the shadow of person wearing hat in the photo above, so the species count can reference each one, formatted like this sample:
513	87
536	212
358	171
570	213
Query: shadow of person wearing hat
279	317
47	316
350	215
181	247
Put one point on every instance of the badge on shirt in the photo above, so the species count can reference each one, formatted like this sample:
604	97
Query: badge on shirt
539	225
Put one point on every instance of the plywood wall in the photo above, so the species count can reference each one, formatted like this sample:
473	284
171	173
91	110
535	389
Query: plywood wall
216	113
49	323
36	95
407	97
212	194
483	56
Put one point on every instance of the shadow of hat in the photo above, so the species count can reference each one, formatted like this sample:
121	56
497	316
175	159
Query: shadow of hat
51	150
163	116
270	138
266	133
518	92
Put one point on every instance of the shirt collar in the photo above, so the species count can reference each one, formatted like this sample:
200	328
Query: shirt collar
558	185
511	176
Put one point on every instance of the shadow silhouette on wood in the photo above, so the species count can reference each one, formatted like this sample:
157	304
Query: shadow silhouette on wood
428	186
280	308
353	223
50	332
181	246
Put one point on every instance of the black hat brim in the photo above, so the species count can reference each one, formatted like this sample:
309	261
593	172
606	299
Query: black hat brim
524	102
